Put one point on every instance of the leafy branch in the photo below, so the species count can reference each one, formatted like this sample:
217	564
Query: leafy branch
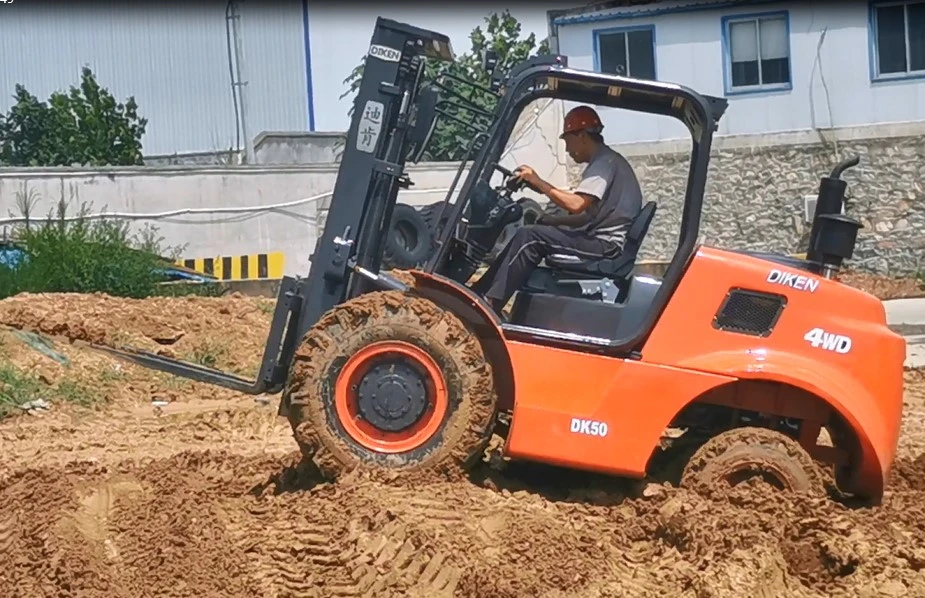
502	34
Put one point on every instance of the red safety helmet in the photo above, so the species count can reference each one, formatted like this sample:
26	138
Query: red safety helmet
582	118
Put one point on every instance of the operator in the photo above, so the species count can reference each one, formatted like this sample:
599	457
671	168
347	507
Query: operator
599	211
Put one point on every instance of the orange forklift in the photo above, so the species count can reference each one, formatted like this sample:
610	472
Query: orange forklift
752	354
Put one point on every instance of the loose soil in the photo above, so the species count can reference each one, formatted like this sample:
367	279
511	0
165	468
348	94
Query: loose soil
885	287
162	487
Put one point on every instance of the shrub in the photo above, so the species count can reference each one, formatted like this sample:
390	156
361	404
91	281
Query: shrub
81	255
85	126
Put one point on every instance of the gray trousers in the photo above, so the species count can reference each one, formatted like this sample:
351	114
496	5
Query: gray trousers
527	248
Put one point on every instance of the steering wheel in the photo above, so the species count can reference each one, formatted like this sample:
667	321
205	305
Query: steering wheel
513	183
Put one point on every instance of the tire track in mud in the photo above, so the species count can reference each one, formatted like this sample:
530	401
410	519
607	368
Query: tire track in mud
332	541
385	544
9	528
55	438
138	528
360	538
172	541
91	517
487	543
215	523
43	550
210	523
291	551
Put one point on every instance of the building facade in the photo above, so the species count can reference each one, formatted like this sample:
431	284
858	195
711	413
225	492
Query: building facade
784	66
208	76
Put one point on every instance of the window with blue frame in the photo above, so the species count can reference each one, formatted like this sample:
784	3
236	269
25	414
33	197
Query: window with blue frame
757	52
627	52
899	38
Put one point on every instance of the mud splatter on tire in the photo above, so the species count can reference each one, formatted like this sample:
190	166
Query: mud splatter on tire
735	455
392	315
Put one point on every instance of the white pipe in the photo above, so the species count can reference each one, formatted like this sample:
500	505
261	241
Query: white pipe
181	212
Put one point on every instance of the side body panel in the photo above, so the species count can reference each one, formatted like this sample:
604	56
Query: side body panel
594	412
830	339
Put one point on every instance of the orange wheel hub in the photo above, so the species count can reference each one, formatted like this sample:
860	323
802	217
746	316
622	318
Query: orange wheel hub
391	397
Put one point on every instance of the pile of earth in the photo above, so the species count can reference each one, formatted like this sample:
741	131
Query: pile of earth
206	496
227	333
885	287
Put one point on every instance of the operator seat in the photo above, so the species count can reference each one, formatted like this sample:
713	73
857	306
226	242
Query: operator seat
615	268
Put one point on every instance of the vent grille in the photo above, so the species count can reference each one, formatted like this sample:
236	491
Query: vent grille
749	312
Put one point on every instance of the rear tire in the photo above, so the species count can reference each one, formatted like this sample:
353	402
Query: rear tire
734	456
409	242
389	381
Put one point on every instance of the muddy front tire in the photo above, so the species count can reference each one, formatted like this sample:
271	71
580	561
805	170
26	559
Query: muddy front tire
389	381
737	455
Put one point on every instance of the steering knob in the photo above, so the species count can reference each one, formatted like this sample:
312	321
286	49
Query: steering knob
513	183
507	173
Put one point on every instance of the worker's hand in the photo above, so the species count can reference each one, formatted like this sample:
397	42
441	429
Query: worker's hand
527	175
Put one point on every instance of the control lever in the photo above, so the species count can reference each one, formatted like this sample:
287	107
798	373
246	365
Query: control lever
513	183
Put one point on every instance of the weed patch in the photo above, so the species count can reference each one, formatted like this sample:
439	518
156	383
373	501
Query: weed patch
17	389
84	254
209	353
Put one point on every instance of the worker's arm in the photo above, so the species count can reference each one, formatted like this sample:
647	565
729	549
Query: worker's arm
567	219
573	202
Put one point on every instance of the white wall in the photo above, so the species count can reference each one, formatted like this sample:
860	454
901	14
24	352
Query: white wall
689	52
236	210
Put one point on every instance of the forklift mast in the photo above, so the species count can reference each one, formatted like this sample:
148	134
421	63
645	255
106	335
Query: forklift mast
372	165
388	123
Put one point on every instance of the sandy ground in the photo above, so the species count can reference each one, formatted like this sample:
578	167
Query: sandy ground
109	495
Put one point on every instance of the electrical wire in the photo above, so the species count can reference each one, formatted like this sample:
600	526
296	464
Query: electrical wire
187	211
817	62
254	210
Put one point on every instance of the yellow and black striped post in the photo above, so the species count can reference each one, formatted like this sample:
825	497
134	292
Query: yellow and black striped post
257	266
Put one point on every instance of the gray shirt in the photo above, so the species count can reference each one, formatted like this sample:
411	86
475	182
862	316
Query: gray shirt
610	179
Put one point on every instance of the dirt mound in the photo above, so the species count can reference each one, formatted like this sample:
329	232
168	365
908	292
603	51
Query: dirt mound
225	332
884	287
207	497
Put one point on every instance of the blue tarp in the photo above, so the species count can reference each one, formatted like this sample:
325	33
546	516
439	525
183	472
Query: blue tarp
11	257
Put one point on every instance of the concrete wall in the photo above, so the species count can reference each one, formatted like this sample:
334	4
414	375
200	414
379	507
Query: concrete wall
212	212
758	185
755	195
298	148
243	210
835	87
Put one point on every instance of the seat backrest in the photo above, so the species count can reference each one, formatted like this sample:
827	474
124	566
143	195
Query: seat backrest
639	228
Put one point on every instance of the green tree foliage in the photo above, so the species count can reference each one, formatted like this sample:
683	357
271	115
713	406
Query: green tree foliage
502	34
85	127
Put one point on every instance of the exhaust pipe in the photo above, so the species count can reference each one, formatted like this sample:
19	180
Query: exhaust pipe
833	235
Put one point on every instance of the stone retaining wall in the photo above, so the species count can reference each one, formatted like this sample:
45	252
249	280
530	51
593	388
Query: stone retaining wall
755	197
